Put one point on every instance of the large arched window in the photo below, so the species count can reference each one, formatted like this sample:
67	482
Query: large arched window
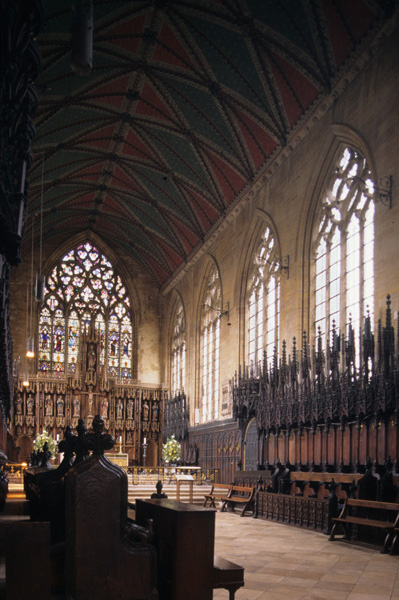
344	248
210	343
83	288
178	367
264	301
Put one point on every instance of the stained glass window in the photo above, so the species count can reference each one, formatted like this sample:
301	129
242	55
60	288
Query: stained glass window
178	370
264	301
210	343
84	287
344	248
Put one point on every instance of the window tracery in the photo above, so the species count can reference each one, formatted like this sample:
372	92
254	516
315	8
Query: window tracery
344	248
178	370
83	287
264	301
210	344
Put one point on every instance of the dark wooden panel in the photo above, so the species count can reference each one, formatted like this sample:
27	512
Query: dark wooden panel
27	560
184	537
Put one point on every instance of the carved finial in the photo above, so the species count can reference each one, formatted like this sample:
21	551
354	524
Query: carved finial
97	440
81	428
44	457
80	443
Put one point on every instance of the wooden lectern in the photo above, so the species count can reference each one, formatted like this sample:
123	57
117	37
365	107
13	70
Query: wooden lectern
184	538
188	479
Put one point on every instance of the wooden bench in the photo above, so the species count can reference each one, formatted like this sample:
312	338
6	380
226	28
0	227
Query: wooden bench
309	483
395	540
227	575
365	508
240	495
217	492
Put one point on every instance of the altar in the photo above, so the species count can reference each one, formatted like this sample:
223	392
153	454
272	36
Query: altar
118	458
132	414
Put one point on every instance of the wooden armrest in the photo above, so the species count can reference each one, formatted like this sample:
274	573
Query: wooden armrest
227	574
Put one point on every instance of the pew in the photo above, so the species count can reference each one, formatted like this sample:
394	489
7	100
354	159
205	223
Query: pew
44	486
27	560
216	493
309	483
184	539
239	495
375	483
227	575
368	513
395	541
106	556
184	536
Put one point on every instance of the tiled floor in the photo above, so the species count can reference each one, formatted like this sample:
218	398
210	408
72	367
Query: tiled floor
281	561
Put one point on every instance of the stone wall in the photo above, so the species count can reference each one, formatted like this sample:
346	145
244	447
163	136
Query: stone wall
145	297
361	111
365	114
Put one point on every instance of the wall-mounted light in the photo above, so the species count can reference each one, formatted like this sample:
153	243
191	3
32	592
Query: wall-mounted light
381	193
285	266
221	312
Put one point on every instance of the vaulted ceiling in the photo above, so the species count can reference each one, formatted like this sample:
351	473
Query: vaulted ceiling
186	104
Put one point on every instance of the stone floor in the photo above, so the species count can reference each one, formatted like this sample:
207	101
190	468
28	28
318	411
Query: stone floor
282	561
286	562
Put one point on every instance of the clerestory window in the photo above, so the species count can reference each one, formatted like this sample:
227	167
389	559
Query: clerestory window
344	249
210	344
178	370
264	301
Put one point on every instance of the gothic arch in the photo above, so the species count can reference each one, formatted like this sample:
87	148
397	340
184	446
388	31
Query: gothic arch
250	445
209	263
104	301
173	306
260	221
175	298
118	264
338	136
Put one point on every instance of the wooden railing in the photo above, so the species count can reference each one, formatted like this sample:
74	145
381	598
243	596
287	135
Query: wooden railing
167	474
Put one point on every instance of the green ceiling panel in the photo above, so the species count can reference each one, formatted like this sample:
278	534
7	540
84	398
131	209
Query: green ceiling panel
202	143
201	111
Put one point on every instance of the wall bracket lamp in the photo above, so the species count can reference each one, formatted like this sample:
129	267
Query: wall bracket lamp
285	266
381	193
221	312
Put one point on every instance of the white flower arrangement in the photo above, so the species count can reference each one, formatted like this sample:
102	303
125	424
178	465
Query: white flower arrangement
171	450
41	439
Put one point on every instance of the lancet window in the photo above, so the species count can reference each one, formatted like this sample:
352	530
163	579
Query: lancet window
178	370
210	344
263	316
344	249
84	287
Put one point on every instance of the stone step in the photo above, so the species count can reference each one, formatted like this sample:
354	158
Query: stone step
15	506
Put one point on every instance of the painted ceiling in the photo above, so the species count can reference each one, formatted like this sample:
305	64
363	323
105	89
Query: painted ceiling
186	104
